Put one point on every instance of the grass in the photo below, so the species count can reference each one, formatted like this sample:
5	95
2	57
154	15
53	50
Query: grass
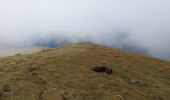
64	74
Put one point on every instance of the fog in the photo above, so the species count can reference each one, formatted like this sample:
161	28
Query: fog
142	26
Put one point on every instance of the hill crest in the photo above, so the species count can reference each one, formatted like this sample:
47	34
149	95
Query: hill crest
65	74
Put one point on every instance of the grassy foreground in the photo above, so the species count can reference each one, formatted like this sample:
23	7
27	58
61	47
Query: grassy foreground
65	74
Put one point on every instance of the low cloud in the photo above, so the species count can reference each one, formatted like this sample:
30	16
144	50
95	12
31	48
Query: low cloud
141	26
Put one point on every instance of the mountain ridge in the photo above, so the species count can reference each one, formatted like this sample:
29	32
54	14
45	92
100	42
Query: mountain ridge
65	73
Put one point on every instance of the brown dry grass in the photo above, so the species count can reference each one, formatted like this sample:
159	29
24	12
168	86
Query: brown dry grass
64	74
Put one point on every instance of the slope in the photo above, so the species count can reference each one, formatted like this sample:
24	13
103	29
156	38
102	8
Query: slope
65	74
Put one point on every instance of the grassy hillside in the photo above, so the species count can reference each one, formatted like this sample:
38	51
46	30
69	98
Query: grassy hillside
65	74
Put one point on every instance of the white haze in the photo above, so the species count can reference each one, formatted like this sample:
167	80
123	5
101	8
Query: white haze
143	24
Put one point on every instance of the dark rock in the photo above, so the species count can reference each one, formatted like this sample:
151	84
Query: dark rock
109	71
102	69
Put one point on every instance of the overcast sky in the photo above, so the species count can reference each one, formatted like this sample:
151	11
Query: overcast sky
140	23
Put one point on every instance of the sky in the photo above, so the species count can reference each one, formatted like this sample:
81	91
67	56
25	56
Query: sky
139	25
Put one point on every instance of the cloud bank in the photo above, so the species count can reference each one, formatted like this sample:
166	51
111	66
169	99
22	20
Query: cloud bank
141	26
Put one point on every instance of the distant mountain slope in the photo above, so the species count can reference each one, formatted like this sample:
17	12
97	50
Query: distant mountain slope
4	52
65	74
